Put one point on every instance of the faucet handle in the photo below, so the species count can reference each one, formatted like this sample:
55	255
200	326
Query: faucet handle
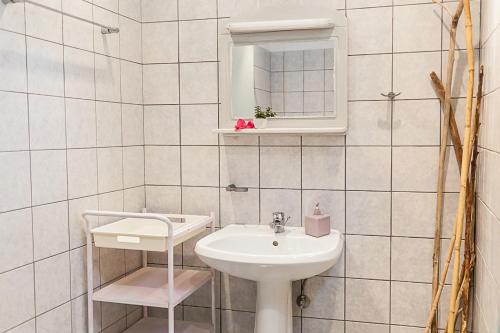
278	216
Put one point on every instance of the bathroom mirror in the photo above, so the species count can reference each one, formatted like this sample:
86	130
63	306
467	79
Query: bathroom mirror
295	65
295	78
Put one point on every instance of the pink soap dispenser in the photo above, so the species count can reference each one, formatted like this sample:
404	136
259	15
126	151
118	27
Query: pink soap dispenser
318	224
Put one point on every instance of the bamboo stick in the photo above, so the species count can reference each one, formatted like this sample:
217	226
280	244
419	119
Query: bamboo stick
469	222
454	133
459	221
442	155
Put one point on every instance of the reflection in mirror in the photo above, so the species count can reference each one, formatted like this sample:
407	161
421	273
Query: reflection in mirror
295	78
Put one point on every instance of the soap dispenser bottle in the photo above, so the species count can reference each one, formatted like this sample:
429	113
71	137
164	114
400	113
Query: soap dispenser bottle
318	224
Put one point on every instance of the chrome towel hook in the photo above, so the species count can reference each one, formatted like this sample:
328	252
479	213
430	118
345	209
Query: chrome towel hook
391	95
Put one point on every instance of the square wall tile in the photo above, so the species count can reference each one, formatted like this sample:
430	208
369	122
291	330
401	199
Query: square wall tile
201	200
160	42
156	78
13	19
239	166
133	166
238	294
13	122
416	65
47	122
16	235
428	35
368	213
77	33
131	8
328	302
197	123
200	165
369	124
198	83
416	123
323	168
15	175
370	30
279	200
109	124
78	259
130	40
78	73
48	172
197	9
56	320
368	168
82	172
159	10
111	5
110	169
50	230
45	67
163	165
411	259
52	282
369	75
80	123
132	125
413	214
368	257
410	303
280	167
161	124
131	82
107	78
414	168
367	300
13	63
236	207
198	40
44	24
18	299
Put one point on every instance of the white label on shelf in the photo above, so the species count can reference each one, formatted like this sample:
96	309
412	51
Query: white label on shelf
128	239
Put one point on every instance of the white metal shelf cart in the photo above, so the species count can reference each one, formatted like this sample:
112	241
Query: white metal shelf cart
150	286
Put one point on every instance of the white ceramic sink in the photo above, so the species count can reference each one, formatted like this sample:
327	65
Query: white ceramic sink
256	253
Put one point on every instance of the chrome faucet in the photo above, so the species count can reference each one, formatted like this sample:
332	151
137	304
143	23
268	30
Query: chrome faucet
279	221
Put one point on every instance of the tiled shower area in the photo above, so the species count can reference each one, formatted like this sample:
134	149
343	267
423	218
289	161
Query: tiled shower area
125	121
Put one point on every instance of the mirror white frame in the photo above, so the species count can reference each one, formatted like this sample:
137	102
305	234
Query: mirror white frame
293	24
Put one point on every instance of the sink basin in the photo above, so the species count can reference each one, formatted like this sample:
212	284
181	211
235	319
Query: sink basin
255	252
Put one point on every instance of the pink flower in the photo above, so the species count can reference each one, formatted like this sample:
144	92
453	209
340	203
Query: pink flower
240	124
250	124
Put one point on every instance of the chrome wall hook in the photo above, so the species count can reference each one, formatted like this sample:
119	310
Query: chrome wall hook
391	95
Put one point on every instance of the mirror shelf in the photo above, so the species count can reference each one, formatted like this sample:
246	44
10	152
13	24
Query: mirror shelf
297	131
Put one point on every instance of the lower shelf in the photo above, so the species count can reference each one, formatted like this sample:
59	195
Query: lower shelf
148	287
159	325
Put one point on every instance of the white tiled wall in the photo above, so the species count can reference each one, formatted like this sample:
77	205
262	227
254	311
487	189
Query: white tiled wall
487	296
377	182
74	136
71	138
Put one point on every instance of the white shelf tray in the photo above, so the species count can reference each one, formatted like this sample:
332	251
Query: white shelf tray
297	131
148	287
148	234
159	325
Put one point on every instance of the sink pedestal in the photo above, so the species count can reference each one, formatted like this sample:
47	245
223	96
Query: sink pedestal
274	307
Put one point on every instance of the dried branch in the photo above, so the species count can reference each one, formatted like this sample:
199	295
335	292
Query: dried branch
442	154
464	175
454	133
469	252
